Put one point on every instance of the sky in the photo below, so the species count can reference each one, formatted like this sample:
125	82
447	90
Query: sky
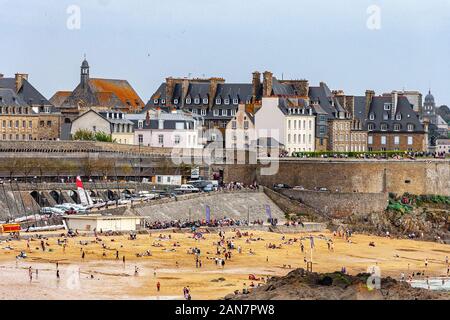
351	45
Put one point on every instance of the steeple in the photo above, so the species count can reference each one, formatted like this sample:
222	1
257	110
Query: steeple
84	72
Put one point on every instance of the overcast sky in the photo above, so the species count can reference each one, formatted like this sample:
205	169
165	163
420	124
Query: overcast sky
145	41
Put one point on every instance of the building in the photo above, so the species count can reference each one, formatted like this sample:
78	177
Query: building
97	94
289	121
111	122
167	130
391	122
442	146
25	114
99	223
240	131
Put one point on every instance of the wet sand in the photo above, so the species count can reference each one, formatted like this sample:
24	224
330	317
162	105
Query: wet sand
114	280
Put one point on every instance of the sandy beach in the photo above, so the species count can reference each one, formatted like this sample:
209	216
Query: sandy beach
105	277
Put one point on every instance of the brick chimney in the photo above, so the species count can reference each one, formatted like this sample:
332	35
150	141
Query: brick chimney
340	97
170	86
350	105
19	80
369	97
256	84
267	83
213	82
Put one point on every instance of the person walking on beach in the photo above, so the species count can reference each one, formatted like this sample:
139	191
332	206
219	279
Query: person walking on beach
426	263
123	259
82	255
30	273
57	274
158	286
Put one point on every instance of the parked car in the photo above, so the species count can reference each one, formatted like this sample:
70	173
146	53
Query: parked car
323	189
281	186
187	188
209	188
298	188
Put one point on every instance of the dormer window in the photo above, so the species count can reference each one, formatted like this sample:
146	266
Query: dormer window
396	127
218	101
384	127
224	112
203	112
163	101
372	116
387	106
410	127
371	127
175	101
197	100
140	124
385	116
188	101
235	101
233	112
398	117
205	100
226	101
155	101
216	112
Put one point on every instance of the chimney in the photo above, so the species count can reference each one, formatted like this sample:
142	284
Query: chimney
256	84
394	104
184	90
267	83
304	88
19	80
213	82
340	96
350	105
1	75
369	97
147	118
170	86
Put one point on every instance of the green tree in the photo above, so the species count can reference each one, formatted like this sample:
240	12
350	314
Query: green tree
84	135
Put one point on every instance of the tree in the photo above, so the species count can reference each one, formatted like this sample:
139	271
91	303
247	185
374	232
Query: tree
84	135
103	137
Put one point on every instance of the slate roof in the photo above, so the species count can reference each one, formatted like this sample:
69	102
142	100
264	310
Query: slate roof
27	92
10	98
404	108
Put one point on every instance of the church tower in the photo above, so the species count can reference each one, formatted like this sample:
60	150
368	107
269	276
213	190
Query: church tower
84	73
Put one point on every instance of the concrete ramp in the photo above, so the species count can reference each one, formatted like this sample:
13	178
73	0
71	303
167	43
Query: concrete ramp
236	205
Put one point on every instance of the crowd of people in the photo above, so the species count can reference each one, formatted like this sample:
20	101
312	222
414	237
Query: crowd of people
178	224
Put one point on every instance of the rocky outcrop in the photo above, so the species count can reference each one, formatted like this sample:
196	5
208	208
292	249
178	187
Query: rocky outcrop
302	285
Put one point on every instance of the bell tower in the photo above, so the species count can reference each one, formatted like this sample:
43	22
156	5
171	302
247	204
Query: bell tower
84	72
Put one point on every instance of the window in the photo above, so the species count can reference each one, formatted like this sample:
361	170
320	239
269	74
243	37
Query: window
384	127
233	112
179	125
30	124
188	100
372	116
387	106
289	124
235	101
410	127
397	140
41	123
17	124
371	127
226	101
322	129
410	140
245	125
383	139
160	139
155	101
205	100
177	139
310	124
24	124
203	112
385	116
4	124
140	124
322	118
233	125
218	101
289	138
216	113
398	117
197	100
175	101
49	123
224	112
396	127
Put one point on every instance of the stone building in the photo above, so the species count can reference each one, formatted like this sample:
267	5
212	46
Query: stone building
240	131
97	94
110	122
391	122
25	114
